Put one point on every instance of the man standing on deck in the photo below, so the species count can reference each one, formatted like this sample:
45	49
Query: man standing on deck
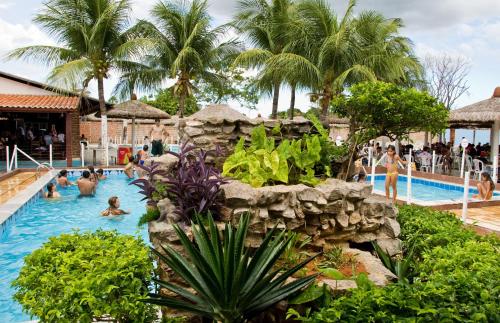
157	134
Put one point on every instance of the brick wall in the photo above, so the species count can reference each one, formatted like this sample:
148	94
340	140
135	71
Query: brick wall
75	138
92	130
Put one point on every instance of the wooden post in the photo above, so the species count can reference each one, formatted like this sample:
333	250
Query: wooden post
69	139
452	136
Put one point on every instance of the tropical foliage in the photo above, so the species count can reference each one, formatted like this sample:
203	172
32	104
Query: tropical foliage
234	86
231	283
264	23
264	163
152	214
456	277
194	186
184	46
377	109
86	277
147	183
336	52
165	100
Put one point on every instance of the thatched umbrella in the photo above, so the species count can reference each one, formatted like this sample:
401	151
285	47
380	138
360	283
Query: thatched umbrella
216	113
483	114
135	109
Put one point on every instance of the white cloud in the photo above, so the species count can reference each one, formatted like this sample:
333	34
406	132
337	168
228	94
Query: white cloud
17	35
5	4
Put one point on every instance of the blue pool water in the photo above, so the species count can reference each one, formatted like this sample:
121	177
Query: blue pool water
45	218
426	190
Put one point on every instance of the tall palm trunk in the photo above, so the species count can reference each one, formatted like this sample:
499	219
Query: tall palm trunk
325	101
104	119
292	101
182	103
276	95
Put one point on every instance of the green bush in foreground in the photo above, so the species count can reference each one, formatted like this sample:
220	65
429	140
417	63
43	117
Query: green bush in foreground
81	277
457	278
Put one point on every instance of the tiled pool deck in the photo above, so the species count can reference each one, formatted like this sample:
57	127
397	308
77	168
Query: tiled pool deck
487	218
21	200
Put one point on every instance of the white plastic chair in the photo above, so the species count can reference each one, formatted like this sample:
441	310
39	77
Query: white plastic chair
438	167
425	163
407	158
478	168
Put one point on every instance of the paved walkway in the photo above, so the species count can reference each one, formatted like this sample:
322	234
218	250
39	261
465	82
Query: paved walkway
11	186
484	217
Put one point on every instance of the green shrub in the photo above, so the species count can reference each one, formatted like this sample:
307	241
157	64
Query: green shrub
457	278
81	277
151	214
262	163
425	229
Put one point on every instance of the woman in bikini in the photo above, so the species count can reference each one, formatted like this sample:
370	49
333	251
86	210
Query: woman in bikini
391	179
114	207
485	188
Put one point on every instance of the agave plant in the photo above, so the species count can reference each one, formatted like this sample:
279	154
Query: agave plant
401	267
230	283
194	186
146	184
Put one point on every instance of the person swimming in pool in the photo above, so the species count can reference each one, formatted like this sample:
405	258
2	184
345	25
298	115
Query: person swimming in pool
62	179
100	174
85	185
114	207
391	179
51	191
93	175
485	188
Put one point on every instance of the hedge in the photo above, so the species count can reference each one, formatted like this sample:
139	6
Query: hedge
458	277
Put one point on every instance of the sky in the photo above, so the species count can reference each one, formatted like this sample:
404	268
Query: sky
467	28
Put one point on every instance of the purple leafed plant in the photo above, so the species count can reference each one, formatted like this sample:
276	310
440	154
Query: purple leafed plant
195	186
146	184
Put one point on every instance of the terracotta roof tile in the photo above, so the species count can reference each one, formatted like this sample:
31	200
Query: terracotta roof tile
49	102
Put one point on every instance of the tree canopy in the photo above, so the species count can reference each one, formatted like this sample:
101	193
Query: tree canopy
165	100
385	109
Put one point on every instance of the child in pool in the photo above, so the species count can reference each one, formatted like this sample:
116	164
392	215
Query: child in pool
51	191
391	179
485	187
361	177
114	207
100	174
62	178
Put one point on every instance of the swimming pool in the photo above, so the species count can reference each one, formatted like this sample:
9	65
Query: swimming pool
425	191
45	218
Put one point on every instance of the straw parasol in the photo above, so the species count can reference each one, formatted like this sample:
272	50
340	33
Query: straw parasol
135	109
483	114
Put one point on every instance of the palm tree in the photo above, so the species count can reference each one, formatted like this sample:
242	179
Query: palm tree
338	52
92	43
185	46
264	22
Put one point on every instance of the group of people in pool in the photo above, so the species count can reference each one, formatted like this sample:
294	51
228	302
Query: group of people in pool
87	185
485	187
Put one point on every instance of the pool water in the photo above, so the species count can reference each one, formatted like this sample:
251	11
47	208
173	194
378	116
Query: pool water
46	218
426	190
